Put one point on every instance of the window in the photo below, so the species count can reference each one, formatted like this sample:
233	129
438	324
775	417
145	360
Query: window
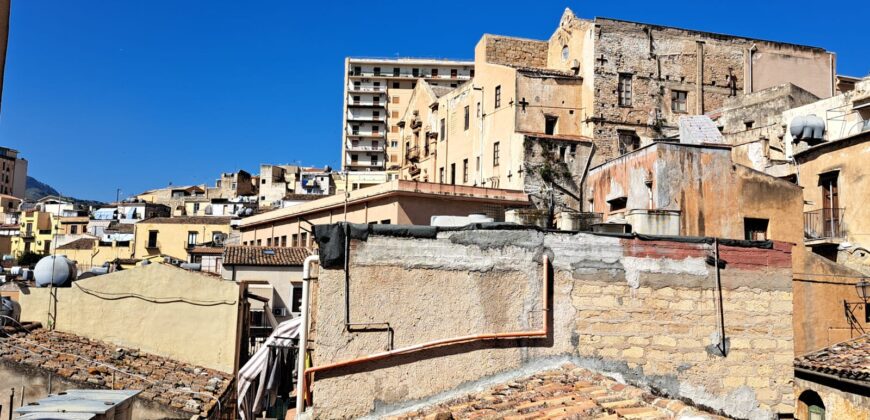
442	130
415	72
296	298
374	159
565	52
678	101
354	143
376	129
268	241
755	229
396	71
395	85
467	117
628	141
73	229
749	124
191	238
624	89
550	123
477	164
376	100
453	173
495	154
303	239
395	99
465	171
259	242
617	204
353	130
394	143
356	86
471	72
385	221
353	158
195	208
376	115
498	96
357	70
441	175
454	73
377	71
284	240
434	72
294	240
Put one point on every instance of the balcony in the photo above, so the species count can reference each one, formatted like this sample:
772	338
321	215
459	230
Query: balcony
364	148
824	226
367	118
367	134
381	89
412	154
152	245
28	235
366	164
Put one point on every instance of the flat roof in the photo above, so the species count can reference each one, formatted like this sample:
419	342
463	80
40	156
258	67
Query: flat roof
409	61
390	188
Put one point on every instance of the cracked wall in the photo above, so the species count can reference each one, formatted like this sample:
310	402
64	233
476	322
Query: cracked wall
641	311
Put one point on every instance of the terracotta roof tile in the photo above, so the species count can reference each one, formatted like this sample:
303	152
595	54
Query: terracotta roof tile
264	255
82	243
848	360
208	250
74	359
566	392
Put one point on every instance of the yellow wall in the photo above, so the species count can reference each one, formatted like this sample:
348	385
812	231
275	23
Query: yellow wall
97	256
44	227
201	329
172	237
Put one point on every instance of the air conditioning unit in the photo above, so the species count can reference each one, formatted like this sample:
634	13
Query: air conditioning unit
279	311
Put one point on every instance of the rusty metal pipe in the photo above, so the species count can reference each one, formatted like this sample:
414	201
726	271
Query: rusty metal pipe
542	333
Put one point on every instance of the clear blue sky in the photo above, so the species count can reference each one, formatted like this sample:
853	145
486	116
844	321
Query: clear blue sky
131	94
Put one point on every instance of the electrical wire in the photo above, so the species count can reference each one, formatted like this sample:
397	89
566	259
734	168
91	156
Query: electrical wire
106	365
150	299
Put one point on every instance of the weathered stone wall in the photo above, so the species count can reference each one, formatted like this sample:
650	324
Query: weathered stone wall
645	312
711	68
515	51
839	403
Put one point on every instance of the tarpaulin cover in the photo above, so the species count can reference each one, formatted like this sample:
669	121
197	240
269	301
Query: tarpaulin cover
331	238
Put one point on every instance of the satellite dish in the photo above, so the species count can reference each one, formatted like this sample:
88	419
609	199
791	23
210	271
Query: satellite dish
219	239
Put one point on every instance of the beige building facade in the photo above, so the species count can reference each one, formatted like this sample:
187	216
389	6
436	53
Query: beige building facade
394	202
175	236
376	92
13	169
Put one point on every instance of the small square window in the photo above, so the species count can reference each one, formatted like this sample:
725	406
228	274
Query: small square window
679	101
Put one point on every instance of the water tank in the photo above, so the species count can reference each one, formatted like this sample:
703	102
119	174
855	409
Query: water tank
807	127
9	308
57	270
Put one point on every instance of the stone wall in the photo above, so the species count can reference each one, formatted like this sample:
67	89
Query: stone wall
645	312
845	403
515	51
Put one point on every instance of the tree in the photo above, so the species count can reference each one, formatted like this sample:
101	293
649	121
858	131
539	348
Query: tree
29	259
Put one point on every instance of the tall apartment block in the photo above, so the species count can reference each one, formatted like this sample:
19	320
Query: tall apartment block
376	92
13	173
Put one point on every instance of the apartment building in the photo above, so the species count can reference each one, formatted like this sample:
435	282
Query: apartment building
13	173
376	92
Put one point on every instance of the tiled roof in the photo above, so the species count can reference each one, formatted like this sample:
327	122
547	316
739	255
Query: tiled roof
264	255
189	220
82	243
81	360
567	392
120	227
848	360
206	250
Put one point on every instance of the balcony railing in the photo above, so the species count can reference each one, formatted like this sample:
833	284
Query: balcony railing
28	235
353	88
366	163
824	224
379	134
379	118
413	154
358	148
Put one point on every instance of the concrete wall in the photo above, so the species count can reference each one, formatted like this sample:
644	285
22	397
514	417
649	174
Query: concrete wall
712	194
644	312
157	308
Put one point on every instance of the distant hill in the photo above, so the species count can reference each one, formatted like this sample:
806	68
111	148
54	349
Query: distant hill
35	190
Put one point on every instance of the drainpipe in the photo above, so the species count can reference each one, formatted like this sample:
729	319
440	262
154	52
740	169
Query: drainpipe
303	336
544	332
751	81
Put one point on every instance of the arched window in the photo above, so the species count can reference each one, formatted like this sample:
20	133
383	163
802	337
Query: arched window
811	406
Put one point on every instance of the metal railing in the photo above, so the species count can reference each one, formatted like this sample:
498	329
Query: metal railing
826	223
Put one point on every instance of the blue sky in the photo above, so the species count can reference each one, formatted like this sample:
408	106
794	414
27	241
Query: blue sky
113	94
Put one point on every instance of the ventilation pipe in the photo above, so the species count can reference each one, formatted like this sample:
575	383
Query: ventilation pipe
303	336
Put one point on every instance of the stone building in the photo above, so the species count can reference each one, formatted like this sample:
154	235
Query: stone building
435	314
685	189
833	383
